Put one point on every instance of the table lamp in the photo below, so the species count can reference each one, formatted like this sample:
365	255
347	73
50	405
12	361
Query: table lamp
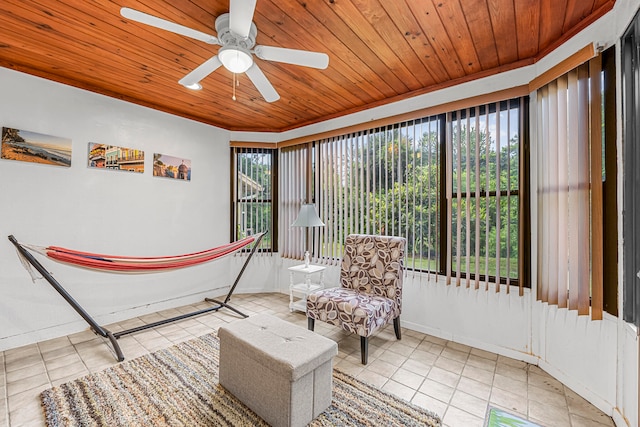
307	217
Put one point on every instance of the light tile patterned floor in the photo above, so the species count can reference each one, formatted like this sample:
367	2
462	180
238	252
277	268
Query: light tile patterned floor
456	381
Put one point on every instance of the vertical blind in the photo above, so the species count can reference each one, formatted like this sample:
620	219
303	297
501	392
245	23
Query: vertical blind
293	164
382	181
483	181
570	192
449	184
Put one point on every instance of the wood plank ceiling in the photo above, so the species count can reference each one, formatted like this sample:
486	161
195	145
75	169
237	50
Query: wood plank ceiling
380	51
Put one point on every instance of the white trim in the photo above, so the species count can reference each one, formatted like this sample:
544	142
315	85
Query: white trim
439	333
579	388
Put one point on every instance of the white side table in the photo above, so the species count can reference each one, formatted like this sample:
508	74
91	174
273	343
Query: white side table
313	276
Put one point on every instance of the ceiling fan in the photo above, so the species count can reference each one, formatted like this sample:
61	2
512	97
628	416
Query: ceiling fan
237	38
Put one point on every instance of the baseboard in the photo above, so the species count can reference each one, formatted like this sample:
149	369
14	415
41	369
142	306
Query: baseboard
583	391
79	325
503	351
619	420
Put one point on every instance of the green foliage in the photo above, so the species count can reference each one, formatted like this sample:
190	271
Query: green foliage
390	183
402	175
254	209
257	165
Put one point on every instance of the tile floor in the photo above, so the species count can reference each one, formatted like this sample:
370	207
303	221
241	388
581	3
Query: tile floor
456	381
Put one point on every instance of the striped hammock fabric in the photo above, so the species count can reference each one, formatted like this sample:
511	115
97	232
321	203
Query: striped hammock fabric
140	264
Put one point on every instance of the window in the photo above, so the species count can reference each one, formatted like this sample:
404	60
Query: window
254	194
384	181
450	184
484	193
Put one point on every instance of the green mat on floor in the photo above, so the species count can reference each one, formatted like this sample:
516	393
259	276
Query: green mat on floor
499	418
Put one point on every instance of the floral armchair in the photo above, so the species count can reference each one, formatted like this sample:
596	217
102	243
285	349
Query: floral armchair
370	292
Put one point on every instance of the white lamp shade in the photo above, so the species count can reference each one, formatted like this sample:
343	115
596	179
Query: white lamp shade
308	217
235	59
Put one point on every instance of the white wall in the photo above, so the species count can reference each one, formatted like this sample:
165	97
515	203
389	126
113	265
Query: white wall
105	211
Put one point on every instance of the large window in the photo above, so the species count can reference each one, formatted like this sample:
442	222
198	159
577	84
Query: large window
449	183
383	181
254	194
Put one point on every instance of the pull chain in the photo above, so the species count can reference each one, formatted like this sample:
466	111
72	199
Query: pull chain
234	87
235	83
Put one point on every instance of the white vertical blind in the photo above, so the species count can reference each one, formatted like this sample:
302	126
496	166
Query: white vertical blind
293	164
487	224
564	189
498	242
391	181
449	193
380	181
562	166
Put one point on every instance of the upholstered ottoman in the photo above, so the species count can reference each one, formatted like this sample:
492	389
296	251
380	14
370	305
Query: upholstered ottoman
281	371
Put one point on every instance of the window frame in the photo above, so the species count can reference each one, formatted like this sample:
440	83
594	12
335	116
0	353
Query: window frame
270	243
521	192
630	57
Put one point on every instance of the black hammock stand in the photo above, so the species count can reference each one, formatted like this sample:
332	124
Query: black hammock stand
113	336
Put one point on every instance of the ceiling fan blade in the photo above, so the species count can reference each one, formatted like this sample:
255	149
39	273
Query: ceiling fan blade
163	24
202	71
293	56
261	83
240	16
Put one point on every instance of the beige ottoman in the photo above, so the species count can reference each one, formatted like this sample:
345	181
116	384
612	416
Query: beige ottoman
281	371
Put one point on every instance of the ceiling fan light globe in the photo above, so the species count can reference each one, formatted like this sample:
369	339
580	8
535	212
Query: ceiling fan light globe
235	59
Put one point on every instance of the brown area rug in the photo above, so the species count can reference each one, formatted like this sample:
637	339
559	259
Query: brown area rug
179	386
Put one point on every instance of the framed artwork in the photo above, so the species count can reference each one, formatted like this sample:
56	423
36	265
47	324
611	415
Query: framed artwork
26	146
103	156
171	167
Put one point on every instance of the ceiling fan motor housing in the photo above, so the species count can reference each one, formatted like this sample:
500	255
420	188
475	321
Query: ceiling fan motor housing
230	39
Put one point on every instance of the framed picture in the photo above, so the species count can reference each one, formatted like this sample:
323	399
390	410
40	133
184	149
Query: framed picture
171	167
26	146
103	156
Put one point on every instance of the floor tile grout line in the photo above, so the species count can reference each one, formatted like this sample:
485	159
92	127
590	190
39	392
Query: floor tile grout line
351	355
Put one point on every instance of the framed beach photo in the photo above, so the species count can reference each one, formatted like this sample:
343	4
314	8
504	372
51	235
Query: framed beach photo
112	157
32	147
171	167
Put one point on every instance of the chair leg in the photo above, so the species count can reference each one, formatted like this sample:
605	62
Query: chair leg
396	327
311	322
364	349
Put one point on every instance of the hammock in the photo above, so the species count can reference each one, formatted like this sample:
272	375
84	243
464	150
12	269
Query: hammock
139	264
132	264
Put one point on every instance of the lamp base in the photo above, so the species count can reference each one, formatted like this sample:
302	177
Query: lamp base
307	259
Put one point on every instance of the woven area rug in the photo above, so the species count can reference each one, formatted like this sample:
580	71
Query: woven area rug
179	387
